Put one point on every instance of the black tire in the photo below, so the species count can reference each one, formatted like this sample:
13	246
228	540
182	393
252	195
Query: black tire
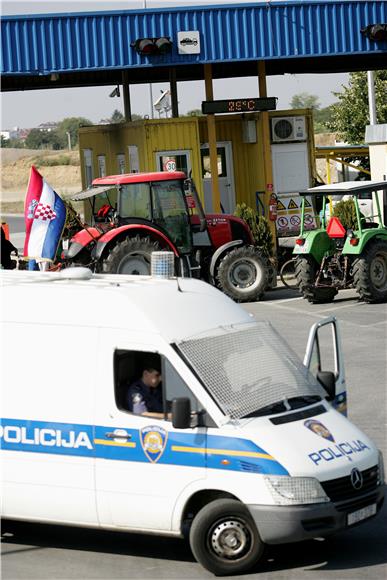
130	256
288	274
224	538
243	274
306	271
370	272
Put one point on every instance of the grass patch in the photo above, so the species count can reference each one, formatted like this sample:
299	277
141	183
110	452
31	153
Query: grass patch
53	161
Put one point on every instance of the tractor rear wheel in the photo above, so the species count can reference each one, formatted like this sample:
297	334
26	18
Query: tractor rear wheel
306	271
370	272
130	256
243	274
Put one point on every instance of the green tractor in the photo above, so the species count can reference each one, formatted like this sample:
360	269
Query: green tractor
332	257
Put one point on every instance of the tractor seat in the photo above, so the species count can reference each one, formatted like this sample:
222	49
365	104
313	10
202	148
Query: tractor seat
369	225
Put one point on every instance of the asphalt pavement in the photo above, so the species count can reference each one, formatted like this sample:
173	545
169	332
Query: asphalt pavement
45	552
16	229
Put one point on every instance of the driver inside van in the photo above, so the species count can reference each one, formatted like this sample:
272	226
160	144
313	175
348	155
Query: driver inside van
145	394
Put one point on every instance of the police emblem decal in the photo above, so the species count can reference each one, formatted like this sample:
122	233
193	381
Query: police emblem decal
153	441
319	429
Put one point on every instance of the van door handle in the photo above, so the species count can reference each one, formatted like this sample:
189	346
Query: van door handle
118	435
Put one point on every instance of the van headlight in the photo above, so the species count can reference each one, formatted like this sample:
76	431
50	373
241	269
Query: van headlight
381	469
295	490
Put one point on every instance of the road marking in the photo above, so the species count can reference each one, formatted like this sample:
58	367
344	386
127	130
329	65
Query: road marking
283	300
373	325
337	308
321	312
294	310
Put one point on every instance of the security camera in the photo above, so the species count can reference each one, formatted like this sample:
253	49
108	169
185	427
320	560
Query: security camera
115	93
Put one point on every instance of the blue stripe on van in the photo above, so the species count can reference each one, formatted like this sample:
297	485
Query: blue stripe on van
151	444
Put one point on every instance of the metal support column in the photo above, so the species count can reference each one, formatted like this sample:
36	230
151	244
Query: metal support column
126	95
212	141
267	161
173	89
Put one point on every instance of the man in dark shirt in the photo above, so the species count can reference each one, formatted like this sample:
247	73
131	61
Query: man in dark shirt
145	394
6	249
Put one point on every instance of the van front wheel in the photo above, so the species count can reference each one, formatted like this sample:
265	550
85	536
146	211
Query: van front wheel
224	538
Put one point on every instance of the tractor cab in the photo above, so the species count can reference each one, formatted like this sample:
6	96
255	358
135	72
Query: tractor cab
156	199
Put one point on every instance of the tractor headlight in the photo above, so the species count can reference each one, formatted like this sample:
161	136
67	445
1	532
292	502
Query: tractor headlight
295	490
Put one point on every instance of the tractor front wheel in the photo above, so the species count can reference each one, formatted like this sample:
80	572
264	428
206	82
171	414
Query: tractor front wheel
370	272
243	274
130	256
306	271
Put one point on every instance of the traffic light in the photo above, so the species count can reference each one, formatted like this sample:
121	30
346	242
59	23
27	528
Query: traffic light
375	32
152	46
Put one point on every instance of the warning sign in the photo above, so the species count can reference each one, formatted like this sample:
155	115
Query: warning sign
295	220
282	222
289	214
292	204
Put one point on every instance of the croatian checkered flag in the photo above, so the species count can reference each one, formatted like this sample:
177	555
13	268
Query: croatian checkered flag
45	217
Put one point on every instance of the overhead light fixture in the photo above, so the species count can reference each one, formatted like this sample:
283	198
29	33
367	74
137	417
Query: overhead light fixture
375	32
116	92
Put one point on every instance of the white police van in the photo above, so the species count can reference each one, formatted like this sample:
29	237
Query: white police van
251	449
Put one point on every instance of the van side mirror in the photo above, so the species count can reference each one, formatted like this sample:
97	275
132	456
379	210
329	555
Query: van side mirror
328	380
181	413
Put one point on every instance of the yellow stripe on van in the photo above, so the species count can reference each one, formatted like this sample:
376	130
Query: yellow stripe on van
233	452
115	443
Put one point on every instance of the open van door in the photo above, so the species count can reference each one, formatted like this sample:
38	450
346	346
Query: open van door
324	355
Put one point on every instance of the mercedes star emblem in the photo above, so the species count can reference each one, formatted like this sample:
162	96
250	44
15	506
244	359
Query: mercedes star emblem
356	478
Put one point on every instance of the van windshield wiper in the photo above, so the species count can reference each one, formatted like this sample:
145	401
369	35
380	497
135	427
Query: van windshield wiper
285	405
303	401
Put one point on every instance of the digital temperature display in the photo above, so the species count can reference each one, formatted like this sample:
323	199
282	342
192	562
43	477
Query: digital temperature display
239	105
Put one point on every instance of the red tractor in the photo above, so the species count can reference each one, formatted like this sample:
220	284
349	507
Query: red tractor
138	213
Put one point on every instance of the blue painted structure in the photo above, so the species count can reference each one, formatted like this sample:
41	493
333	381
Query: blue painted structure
94	48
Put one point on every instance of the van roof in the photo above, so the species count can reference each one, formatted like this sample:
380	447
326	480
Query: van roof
177	309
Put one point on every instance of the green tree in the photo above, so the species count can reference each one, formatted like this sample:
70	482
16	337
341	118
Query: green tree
38	139
117	117
71	125
350	114
259	227
305	101
5	143
346	212
195	113
321	118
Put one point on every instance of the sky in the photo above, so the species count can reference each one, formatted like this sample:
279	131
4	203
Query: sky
28	109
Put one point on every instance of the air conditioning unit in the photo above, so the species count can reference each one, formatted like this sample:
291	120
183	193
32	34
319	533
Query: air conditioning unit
288	129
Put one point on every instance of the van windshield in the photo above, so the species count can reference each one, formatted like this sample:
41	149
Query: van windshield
251	371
